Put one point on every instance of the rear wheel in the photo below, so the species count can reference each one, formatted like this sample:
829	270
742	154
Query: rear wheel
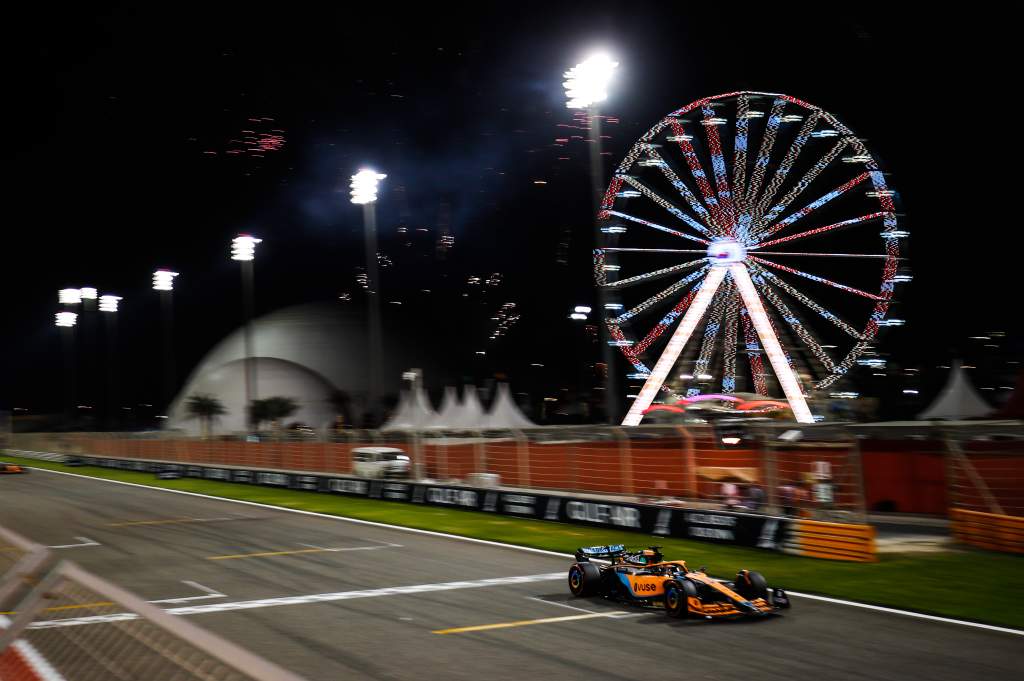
584	579
677	598
751	585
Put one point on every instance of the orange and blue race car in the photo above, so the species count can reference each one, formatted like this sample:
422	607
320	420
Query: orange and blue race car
11	468
644	578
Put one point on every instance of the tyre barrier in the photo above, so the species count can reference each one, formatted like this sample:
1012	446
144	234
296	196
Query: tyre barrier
988	530
833	541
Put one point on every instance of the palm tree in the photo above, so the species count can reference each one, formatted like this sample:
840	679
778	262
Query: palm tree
273	409
205	408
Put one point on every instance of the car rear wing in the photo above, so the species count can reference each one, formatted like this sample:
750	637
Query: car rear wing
610	552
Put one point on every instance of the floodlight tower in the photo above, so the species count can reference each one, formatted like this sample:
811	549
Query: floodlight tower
364	192
586	85
108	304
243	249
163	283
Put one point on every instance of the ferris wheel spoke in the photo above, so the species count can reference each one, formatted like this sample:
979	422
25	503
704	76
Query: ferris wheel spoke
675	346
725	201
816	204
695	205
808	302
821	230
814	277
658	297
776	356
765	151
882	256
739	163
730	328
649	276
790	318
711	329
753	348
787	163
654	225
799	187
666	204
697	171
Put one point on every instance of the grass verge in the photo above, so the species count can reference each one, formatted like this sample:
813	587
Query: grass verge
968	584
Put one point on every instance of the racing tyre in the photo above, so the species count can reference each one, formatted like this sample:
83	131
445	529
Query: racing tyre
677	596
751	585
584	579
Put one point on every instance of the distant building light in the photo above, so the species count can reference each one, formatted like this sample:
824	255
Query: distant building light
845	395
639	376
730	440
480	352
892	322
582	308
577	315
704	377
909	391
613	306
686	377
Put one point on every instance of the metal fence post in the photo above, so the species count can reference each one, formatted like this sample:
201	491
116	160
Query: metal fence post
625	460
523	457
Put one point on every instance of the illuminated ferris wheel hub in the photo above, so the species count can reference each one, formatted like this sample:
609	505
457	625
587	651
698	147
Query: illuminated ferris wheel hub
726	252
749	240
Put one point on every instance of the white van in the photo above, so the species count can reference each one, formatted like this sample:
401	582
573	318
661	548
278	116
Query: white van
380	462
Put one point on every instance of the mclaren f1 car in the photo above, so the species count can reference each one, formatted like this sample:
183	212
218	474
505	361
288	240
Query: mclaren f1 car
645	579
6	467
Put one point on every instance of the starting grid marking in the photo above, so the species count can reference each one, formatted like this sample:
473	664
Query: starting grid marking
311	549
307	599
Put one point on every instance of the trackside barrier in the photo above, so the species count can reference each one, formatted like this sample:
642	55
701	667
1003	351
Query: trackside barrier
834	541
68	624
988	530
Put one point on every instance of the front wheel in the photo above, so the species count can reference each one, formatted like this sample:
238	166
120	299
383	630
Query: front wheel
584	579
751	585
677	598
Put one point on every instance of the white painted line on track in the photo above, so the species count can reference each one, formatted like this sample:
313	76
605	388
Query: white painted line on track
84	541
209	593
308	599
562	605
907	613
528	549
353	548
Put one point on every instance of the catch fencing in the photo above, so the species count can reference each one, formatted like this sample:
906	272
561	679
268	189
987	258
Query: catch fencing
61	622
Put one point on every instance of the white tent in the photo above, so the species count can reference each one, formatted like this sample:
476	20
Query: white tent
957	400
470	414
448	413
505	413
414	412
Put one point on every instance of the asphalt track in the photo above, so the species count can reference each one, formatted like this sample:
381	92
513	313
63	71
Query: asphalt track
323	600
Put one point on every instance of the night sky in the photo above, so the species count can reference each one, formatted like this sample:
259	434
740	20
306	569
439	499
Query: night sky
139	137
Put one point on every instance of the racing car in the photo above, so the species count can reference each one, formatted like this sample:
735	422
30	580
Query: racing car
11	468
642	577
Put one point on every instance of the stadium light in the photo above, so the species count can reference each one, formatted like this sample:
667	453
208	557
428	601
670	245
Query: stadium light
163	280
364	186
587	82
66	319
69	296
243	247
88	293
109	303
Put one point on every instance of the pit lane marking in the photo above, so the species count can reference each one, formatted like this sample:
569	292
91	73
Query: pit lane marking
309	598
311	549
171	521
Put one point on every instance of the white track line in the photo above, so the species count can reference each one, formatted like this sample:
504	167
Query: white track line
855	604
85	541
210	593
307	599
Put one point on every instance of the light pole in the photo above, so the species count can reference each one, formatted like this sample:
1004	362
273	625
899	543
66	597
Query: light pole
243	249
88	388
364	192
586	84
108	305
66	321
163	281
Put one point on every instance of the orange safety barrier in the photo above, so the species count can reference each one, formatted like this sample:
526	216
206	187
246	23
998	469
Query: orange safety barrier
988	530
834	541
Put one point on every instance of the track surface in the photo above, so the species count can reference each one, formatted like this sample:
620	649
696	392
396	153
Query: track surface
390	636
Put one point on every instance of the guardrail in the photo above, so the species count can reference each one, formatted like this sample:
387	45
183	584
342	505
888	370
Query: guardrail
988	530
834	541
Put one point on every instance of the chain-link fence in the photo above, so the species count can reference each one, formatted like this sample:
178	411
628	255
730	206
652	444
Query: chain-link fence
60	622
985	469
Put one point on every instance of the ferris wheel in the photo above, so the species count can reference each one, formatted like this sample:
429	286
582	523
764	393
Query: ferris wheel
746	227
